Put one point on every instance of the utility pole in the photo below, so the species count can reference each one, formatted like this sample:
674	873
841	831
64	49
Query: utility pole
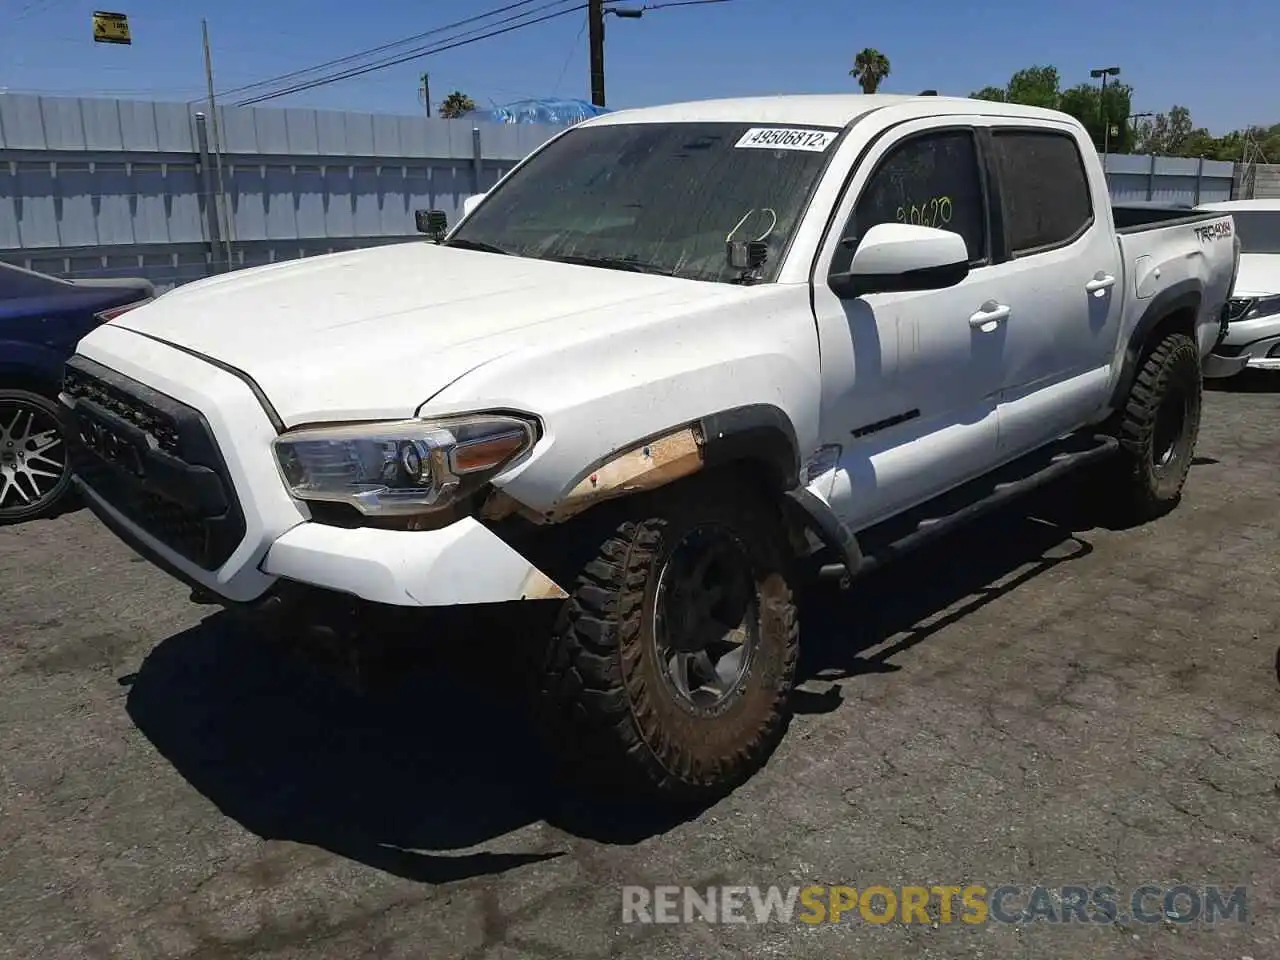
426	92
595	40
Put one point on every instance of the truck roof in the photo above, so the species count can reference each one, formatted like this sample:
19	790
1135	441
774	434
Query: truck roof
820	109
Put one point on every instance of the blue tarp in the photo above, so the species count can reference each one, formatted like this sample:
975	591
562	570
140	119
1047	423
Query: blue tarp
544	110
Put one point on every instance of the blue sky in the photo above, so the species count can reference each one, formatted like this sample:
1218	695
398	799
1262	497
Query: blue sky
1219	58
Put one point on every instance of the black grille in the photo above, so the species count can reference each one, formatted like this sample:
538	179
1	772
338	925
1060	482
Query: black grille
155	460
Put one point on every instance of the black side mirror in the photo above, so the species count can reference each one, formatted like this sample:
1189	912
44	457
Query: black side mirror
434	223
847	286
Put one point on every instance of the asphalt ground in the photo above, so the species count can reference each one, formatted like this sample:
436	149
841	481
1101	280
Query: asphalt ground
1034	701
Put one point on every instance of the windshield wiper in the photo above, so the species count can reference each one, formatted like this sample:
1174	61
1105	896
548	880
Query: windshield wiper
462	243
615	263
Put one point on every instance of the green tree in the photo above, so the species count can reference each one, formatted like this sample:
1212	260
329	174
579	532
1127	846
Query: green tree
1040	86
1085	102
870	67
1034	87
1169	134
998	94
456	105
1165	133
1031	86
1174	134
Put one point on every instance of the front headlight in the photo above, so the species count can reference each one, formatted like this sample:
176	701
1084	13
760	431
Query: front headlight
402	467
1251	308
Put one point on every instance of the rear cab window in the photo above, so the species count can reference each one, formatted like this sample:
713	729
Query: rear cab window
931	179
1044	189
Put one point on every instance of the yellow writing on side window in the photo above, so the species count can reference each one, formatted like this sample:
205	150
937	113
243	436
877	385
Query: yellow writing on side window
934	212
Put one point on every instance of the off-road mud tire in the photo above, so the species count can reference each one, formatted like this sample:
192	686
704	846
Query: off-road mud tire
1147	488
602	700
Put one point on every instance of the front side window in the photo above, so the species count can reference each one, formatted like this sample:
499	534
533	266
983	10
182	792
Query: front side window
932	181
1044	187
656	197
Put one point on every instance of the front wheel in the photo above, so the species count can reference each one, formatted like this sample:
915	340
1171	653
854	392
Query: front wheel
671	664
34	467
1158	428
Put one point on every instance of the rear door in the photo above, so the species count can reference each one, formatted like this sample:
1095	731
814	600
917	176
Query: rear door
1063	266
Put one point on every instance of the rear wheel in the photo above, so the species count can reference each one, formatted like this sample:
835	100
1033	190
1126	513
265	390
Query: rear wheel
34	467
671	664
1158	428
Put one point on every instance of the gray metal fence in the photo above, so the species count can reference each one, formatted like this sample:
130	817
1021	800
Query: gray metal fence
1168	179
93	187
103	187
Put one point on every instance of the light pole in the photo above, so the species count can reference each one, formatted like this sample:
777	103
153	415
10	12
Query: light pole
1103	73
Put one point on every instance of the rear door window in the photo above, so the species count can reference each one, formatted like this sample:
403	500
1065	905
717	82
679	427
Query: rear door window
1044	188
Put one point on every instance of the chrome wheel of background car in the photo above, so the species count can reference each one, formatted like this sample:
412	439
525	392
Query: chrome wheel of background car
706	618
33	457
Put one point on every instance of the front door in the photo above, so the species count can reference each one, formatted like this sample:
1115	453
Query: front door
911	381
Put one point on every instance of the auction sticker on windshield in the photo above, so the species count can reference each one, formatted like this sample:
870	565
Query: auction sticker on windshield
786	138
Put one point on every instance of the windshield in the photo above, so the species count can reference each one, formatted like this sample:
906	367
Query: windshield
1258	230
660	195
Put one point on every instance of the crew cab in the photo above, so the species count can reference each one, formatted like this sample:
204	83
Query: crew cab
1253	313
677	357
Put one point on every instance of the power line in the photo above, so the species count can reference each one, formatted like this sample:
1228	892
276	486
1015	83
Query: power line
573	48
412	55
378	49
680	3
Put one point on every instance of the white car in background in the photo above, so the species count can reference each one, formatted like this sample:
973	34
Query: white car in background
1253	312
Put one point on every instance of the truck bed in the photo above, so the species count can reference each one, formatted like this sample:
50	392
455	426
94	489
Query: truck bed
1137	217
1173	250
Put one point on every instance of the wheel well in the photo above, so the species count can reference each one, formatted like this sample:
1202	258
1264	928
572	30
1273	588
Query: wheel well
548	543
762	475
29	380
1182	320
1180	317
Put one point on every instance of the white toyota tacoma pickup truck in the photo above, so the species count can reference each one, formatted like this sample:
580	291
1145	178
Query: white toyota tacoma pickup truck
675	357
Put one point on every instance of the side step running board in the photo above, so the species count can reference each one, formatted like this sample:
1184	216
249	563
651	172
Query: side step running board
893	538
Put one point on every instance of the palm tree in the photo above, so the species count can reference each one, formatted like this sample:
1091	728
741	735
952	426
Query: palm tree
870	67
455	105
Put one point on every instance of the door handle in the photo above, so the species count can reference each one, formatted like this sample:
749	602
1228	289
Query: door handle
989	315
1100	284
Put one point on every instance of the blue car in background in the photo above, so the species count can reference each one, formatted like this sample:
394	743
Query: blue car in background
42	318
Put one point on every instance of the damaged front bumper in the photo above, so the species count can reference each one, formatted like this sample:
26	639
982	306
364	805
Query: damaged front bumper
463	563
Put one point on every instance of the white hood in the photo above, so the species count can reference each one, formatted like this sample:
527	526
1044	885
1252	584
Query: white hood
1259	275
377	332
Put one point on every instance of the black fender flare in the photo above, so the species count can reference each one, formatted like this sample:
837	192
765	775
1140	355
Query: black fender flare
763	434
1184	295
758	432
